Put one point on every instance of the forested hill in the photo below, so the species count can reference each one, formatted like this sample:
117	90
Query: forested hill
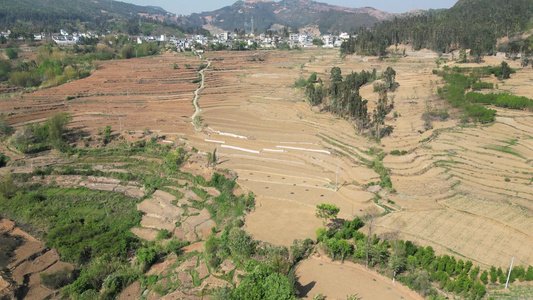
288	13
50	15
469	24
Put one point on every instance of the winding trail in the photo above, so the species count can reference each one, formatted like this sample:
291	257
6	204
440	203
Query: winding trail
197	96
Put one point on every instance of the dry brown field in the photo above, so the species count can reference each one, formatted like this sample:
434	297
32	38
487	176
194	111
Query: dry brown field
465	190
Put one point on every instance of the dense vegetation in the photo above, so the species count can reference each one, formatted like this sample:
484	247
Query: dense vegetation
469	24
471	104
54	65
80	224
417	267
343	98
25	17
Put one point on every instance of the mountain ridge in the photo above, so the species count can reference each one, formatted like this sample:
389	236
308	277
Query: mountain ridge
268	15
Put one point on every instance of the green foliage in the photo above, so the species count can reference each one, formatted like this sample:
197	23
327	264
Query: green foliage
146	256
262	282
398	152
476	86
175	159
57	125
7	186
127	51
3	160
163	234
76	221
25	78
227	205
240	243
107	135
5	69
467	25
57	279
453	93
12	53
501	100
389	76
326	211
318	42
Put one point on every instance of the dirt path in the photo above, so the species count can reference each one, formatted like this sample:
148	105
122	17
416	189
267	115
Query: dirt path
197	96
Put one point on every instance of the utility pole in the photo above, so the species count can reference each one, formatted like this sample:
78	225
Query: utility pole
509	274
252	25
120	122
336	175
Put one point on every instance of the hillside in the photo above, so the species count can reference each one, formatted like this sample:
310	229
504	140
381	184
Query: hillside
289	13
469	24
49	16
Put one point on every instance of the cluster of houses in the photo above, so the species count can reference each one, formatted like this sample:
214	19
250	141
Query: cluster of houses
199	41
261	41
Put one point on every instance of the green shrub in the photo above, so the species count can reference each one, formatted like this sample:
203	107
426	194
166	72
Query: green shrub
482	85
57	279
163	234
3	160
25	78
12	53
6	129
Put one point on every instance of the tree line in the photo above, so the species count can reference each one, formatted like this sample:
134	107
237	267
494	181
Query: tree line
417	267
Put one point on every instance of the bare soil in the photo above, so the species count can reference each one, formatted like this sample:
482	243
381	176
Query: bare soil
336	281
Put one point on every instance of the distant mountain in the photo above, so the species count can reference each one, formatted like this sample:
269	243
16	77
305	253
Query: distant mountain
268	14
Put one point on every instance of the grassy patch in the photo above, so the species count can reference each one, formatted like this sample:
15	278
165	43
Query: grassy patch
80	224
504	149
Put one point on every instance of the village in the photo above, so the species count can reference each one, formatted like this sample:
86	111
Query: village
225	40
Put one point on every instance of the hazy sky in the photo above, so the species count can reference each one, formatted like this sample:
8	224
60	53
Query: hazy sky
186	7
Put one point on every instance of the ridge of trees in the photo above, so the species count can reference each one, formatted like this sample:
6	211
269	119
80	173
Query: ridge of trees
341	97
469	24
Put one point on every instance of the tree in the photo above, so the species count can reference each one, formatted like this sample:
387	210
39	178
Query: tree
462	56
397	259
389	75
7	187
474	272
6	129
57	126
318	42
493	274
484	277
240	243
212	158
5	69
326	212
277	287
127	51
107	135
12	53
334	247
344	248
175	159
146	256
505	70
